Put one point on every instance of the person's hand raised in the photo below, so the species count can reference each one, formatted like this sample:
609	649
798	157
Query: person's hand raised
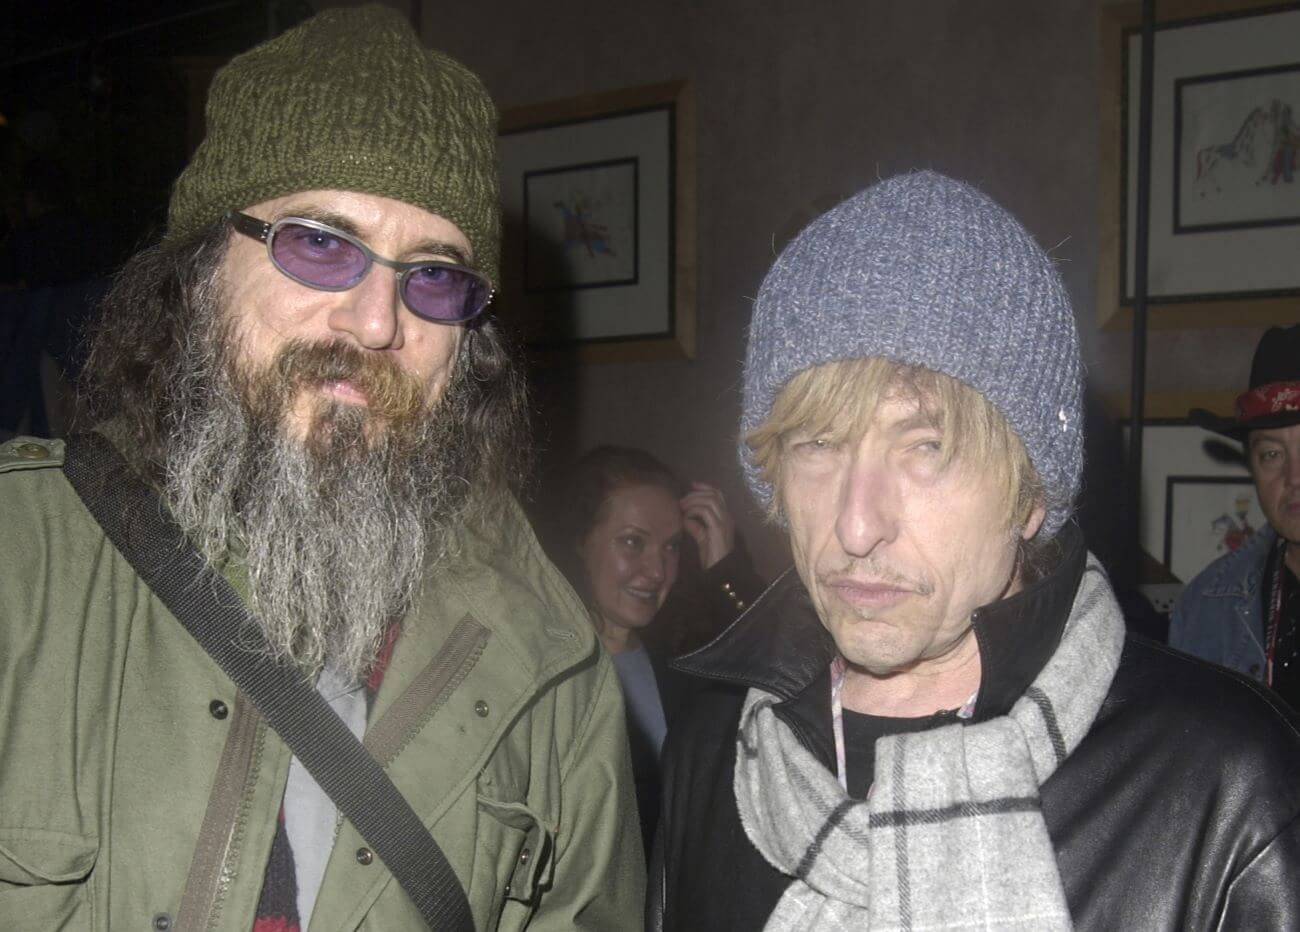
707	520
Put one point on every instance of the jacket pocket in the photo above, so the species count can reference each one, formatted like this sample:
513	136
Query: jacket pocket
44	879
512	861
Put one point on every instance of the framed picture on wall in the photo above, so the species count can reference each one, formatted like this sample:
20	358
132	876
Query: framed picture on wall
1206	517
591	210
598	195
1225	183
1179	454
1237	144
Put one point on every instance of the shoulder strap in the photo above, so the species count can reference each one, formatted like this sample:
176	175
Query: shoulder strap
139	525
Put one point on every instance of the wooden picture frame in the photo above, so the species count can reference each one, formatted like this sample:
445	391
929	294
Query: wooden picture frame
1226	303
598	195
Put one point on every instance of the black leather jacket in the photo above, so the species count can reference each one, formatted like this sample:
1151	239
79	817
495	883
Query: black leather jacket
1179	810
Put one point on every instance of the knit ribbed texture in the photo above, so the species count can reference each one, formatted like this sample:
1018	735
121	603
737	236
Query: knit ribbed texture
928	271
350	101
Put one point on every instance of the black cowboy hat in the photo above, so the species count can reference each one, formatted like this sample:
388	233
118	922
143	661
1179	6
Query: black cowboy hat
1273	399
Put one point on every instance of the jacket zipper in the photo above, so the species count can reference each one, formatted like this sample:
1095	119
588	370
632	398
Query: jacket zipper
219	844
222	833
428	692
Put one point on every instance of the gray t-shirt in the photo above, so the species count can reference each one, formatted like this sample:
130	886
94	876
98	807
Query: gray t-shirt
311	819
641	694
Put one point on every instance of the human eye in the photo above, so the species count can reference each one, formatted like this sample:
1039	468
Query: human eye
435	276
1267	455
632	542
922	454
313	237
811	444
314	243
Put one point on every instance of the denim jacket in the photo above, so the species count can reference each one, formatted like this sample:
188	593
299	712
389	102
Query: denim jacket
1220	615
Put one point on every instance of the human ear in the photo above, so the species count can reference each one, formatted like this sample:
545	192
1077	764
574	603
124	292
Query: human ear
1033	522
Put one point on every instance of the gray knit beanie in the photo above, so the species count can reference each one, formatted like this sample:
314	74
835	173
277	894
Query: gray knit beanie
928	271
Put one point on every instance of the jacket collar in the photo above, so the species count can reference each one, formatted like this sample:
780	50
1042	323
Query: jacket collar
507	582
779	645
1238	574
498	576
1019	634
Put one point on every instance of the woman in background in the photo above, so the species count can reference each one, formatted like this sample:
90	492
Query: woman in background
631	521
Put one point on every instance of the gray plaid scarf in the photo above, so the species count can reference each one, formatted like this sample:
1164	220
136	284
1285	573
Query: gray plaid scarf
951	835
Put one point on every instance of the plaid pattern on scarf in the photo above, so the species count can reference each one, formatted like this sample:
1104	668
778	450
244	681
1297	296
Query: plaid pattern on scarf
951	835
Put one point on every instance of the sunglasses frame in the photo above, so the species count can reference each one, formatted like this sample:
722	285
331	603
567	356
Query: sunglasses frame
265	232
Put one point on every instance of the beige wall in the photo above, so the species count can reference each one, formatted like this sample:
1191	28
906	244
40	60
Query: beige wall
798	105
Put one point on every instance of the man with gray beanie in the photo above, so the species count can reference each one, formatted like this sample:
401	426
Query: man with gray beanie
277	646
945	724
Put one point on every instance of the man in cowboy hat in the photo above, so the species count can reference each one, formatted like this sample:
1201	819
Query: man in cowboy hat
1243	610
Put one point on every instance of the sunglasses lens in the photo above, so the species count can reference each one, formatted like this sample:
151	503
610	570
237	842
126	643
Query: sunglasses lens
439	293
318	257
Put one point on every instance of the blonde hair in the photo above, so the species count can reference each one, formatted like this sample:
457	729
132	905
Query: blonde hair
838	401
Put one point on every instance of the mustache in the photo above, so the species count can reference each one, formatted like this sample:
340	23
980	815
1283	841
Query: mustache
872	569
391	392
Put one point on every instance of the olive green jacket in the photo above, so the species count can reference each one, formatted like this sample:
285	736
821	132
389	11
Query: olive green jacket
139	789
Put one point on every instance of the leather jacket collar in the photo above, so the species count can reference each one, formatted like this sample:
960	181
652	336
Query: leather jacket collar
779	644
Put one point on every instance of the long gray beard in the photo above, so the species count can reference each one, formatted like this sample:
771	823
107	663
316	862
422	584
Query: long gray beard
337	536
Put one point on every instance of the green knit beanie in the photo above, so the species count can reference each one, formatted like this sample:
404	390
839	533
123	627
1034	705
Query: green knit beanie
349	100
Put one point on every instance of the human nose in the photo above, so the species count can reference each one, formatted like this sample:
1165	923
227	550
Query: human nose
1291	467
371	311
867	516
652	566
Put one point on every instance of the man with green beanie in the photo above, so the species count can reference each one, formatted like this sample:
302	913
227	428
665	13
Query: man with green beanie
305	379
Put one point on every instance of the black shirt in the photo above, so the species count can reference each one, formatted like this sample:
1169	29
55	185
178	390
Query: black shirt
860	734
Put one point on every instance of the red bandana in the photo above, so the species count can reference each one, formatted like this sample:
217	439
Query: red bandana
1273	398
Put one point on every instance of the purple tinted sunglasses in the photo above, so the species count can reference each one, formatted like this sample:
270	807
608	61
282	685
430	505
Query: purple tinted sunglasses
319	256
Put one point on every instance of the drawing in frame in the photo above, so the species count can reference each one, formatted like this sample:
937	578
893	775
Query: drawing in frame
599	246
1174	447
1237	141
592	210
1225	192
1206	517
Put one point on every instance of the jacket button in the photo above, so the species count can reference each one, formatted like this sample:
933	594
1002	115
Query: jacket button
481	709
32	451
524	856
162	922
218	709
365	856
